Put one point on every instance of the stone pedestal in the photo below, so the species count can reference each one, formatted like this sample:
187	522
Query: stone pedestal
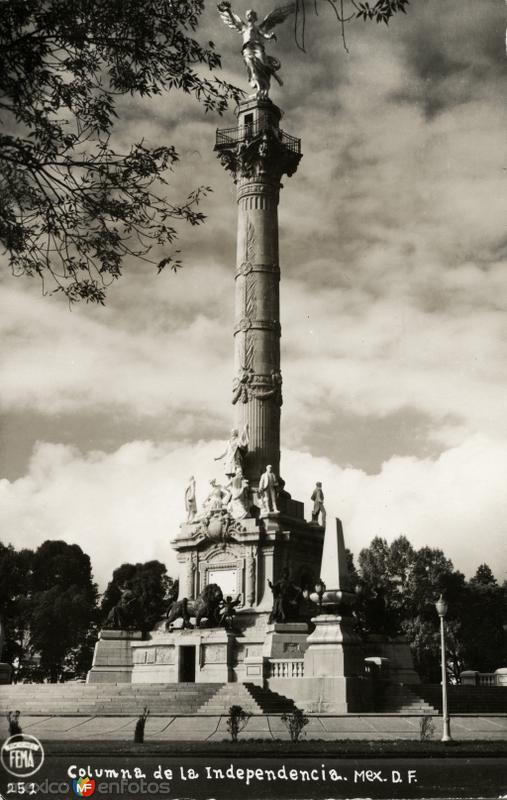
285	640
198	655
5	673
112	659
334	681
333	667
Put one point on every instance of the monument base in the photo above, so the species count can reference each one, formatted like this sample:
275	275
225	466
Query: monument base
398	655
5	673
198	655
112	659
326	695
334	680
285	640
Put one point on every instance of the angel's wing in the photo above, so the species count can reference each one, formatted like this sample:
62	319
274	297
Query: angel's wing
229	17
275	17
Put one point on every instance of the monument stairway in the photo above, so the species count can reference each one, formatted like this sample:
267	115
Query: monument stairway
466	699
252	698
269	701
394	698
105	699
126	699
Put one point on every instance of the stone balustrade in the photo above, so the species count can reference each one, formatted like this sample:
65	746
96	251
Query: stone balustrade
286	667
474	678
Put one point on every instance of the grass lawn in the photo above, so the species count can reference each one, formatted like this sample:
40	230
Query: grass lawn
268	747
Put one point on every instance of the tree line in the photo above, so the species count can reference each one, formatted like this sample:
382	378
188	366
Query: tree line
52	611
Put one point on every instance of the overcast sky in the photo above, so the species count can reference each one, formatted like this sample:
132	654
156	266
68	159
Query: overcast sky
393	243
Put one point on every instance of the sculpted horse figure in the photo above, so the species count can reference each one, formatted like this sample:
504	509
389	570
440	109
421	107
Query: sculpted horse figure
207	605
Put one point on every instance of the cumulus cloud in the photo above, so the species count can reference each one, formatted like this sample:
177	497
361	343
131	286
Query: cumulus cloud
127	505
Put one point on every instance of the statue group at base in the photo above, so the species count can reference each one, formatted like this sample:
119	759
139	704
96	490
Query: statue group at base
122	616
207	606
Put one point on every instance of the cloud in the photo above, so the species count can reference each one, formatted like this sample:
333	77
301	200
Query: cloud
127	505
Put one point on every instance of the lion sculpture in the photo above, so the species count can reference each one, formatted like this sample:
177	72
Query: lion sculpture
207	605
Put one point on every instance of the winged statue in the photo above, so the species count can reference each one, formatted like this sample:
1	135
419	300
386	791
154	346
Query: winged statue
260	67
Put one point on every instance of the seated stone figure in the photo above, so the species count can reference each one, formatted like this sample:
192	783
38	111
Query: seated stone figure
122	616
206	606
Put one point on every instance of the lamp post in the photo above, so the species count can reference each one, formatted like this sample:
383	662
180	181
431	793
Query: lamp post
320	588
441	607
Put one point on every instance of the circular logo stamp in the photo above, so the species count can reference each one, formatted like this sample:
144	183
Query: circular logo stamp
22	755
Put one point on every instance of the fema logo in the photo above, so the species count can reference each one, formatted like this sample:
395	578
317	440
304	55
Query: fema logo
83	787
22	755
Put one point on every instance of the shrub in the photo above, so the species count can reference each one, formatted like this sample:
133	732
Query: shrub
236	721
295	722
426	728
139	729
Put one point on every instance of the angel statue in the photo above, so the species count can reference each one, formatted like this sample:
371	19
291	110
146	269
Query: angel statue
260	66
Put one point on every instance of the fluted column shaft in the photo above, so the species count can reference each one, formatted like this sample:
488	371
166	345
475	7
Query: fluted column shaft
258	153
257	322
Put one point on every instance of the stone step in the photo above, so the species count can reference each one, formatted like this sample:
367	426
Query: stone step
231	694
269	701
131	699
398	698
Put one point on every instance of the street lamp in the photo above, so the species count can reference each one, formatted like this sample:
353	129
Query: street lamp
441	607
320	588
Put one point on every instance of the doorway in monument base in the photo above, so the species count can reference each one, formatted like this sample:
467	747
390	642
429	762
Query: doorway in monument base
187	664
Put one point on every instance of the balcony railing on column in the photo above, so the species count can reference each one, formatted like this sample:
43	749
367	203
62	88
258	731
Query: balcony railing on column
242	133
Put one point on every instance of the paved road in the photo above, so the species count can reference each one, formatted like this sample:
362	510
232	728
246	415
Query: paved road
269	779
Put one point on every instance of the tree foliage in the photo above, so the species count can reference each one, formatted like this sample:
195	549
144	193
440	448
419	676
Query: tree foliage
399	587
14	601
64	602
73	204
346	11
48	603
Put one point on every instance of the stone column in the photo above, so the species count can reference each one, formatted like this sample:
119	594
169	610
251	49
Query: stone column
258	153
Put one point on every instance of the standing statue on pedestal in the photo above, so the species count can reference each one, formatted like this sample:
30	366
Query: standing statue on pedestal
239	487
268	491
261	67
190	500
235	451
318	505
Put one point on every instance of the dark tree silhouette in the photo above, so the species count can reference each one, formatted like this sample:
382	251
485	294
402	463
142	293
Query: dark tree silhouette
63	603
